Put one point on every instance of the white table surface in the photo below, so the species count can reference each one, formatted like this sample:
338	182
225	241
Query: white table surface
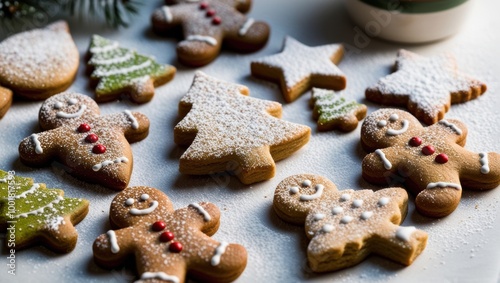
463	247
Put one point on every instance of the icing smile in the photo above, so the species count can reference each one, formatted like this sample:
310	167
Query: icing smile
62	114
393	132
135	211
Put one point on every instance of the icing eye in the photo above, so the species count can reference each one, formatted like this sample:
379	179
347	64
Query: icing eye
129	201
72	101
58	105
393	117
144	197
382	123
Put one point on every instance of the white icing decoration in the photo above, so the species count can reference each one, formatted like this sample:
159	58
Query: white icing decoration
246	26
159	275
306	183
294	190
346	219
345	197
103	49
41	209
357	203
4	180
135	211
54	223
58	105
105	163
337	210
219	251
30	191
393	132
113	241
132	118
167	13
122	71
72	101
202	211
451	126
319	190
366	215
208	39
383	201
443	185
62	114
404	233
485	168
115	60
382	123
393	117
318	216
144	197
129	201
38	146
387	163
327	228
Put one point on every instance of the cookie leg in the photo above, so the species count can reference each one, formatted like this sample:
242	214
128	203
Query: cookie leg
440	200
250	36
199	50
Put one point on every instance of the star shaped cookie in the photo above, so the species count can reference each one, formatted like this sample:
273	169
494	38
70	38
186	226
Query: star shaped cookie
299	67
426	86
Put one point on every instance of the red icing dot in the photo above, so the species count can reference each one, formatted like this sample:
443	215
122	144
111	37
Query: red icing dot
159	226
98	149
166	236
428	150
210	12
175	247
216	20
92	138
441	158
203	5
415	141
83	128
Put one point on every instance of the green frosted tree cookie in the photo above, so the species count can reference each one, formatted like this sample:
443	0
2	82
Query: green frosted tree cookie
123	71
334	111
31	213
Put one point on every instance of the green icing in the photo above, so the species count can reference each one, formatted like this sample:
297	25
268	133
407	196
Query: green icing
119	68
33	207
330	106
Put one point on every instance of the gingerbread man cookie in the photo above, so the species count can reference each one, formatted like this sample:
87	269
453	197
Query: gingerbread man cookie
39	63
167	243
228	131
299	67
5	100
430	161
344	227
94	148
427	86
209	24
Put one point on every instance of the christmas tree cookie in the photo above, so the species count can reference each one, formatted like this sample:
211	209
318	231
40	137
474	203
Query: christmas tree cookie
93	148
426	86
39	63
228	131
334	111
120	70
32	214
344	227
5	100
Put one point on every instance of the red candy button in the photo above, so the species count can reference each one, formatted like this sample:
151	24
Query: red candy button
203	5
83	128
210	12
98	149
92	138
159	226
175	247
428	150
441	158
216	20
415	141
167	236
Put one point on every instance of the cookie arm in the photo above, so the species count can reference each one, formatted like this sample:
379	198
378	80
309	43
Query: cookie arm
112	248
39	149
166	17
134	125
203	216
381	167
480	170
451	129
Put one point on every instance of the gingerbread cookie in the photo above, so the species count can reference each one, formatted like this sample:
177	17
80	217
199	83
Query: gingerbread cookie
299	67
94	148
5	100
426	86
39	63
119	70
333	111
167	243
430	161
30	214
344	227
228	131
209	24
